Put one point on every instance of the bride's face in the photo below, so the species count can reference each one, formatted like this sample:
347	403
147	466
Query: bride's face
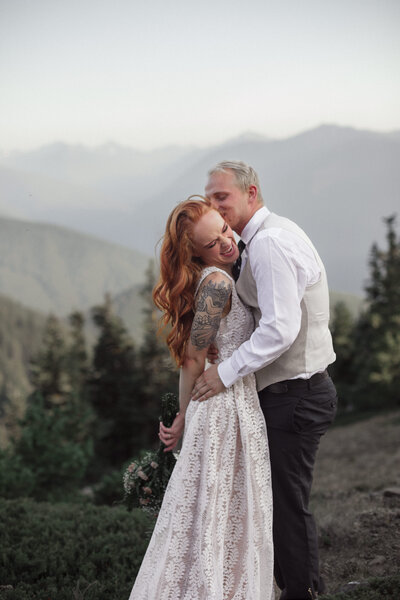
214	241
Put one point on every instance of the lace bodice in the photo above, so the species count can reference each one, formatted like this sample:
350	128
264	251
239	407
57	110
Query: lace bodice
238	324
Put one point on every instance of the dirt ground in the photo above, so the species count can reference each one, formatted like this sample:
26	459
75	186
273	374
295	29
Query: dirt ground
359	525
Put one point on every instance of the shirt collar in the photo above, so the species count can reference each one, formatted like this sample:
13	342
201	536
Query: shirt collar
252	226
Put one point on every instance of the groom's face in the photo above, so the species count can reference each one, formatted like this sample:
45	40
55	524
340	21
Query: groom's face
228	199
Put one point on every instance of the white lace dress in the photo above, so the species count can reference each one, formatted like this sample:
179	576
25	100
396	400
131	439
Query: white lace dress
213	536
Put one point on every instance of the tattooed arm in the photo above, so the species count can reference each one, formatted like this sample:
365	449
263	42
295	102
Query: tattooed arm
212	303
204	329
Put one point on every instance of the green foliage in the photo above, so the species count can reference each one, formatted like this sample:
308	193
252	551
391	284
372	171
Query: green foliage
50	458
376	365
379	588
76	358
21	331
109	489
158	372
126	383
367	370
16	477
48	369
56	551
341	370
60	369
114	389
112	404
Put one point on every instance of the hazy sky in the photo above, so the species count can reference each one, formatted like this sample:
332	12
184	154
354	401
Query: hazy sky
160	72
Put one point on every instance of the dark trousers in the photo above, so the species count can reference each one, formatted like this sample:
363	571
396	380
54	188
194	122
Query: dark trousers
297	413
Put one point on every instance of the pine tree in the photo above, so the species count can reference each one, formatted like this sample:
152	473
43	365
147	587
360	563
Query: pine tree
115	391
77	360
48	447
54	441
48	370
158	372
341	370
377	335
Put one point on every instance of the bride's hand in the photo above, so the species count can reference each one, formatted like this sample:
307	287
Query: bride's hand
170	436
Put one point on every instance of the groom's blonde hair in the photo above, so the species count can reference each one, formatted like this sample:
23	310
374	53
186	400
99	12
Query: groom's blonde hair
244	174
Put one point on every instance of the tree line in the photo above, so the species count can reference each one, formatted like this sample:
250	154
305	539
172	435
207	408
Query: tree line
367	368
92	412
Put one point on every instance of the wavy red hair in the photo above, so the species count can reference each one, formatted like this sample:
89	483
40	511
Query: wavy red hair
179	274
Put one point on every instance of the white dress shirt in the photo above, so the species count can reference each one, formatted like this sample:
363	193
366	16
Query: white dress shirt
283	266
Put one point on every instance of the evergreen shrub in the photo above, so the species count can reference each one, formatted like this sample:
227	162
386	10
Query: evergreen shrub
69	551
46	462
109	490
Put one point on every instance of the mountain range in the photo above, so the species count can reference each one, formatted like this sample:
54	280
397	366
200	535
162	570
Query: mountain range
338	183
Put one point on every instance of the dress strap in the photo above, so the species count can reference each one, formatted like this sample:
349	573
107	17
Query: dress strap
206	271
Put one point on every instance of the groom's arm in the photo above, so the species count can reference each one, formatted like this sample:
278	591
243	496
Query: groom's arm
282	266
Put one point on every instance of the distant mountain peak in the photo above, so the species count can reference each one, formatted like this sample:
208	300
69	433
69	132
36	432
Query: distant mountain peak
247	136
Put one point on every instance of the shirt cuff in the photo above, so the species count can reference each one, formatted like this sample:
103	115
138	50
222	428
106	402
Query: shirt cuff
227	373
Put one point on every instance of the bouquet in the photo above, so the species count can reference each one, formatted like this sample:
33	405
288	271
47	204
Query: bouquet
146	480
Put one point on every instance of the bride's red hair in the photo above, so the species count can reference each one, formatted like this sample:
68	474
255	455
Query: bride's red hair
179	273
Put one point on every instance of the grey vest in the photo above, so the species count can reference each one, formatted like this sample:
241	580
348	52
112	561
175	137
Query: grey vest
312	350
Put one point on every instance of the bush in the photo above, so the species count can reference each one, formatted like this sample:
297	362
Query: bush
54	552
46	462
109	490
16	479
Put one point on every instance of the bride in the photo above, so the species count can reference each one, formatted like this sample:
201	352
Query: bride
213	536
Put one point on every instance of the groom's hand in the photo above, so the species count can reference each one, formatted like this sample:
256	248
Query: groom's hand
207	385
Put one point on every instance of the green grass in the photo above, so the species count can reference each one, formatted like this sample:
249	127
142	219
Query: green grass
85	552
378	588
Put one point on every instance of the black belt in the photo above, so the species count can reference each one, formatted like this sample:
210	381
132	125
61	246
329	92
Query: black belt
292	384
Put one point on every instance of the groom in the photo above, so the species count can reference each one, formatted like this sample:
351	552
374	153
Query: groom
283	280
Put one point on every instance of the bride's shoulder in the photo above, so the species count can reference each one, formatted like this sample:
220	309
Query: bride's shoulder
214	280
215	276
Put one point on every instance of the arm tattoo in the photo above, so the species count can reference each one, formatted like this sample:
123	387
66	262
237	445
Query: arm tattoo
210	304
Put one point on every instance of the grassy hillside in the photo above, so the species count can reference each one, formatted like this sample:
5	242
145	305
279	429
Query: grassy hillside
359	525
52	268
77	546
